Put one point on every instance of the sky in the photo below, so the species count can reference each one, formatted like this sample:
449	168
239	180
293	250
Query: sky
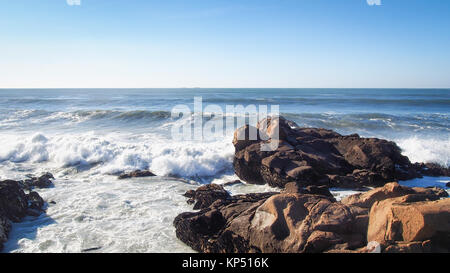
225	43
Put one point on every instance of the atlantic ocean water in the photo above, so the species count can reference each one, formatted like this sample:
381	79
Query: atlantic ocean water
85	137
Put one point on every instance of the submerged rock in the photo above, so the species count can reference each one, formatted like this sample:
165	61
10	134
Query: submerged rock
137	173
312	156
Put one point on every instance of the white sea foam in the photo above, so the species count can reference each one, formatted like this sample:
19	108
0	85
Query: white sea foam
113	153
426	149
108	215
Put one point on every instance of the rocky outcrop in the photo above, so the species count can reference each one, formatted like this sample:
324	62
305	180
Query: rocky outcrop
137	173
16	204
205	195
312	156
391	190
412	221
41	182
392	218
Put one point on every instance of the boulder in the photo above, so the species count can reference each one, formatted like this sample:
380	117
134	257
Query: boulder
408	219
390	190
15	204
205	195
43	181
137	173
273	222
315	156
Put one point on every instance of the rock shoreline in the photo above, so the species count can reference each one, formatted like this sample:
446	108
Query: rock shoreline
17	200
304	216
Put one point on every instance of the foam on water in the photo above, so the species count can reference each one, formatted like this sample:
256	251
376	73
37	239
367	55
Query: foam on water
109	214
426	149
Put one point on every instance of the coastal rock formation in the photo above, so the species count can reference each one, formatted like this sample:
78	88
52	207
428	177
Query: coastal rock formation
137	173
205	195
391	190
41	182
394	218
311	156
16	204
409	219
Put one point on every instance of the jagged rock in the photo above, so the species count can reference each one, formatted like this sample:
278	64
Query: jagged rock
432	169
14	205
136	174
271	222
44	181
312	156
35	201
410	218
13	201
205	195
5	227
231	183
390	190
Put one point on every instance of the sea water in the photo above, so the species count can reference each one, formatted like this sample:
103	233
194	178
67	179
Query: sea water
85	137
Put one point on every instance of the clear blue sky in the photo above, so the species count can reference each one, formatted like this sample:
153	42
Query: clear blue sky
225	43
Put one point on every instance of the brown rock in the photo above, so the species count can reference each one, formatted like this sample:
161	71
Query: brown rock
390	190
205	195
318	157
271	222
408	220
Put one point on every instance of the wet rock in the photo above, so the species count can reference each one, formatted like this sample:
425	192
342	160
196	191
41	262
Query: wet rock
5	227
408	219
234	182
43	181
432	169
447	185
313	156
136	174
205	195
13	201
35	201
14	205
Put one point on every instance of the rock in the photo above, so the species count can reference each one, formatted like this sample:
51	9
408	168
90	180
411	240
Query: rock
390	190
447	185
408	219
136	174
35	201
234	182
13	201
273	222
44	181
294	187
409	247
432	169
205	195
312	156
15	204
5	227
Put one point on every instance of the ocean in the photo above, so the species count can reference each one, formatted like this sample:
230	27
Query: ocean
86	136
